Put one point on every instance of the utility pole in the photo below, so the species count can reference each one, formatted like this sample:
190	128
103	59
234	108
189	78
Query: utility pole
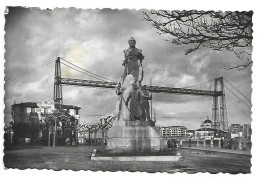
151	101
54	133
49	129
102	130
95	137
89	138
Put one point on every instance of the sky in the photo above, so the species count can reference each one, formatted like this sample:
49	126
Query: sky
95	40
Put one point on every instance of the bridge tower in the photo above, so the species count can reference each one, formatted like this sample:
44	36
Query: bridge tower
219	108
57	95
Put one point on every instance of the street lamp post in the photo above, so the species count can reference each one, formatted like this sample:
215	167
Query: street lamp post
89	137
49	131
102	130
54	133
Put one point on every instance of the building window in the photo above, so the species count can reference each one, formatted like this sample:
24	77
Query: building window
77	112
22	109
28	110
33	110
45	110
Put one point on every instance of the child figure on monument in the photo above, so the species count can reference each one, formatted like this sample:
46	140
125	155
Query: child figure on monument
134	107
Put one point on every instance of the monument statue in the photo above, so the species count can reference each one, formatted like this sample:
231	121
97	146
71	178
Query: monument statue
129	90
133	62
131	133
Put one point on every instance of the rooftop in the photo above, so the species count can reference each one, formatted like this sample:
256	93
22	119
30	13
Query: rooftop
63	106
206	129
207	121
174	126
34	105
26	104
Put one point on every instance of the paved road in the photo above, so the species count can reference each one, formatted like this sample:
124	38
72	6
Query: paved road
215	149
78	158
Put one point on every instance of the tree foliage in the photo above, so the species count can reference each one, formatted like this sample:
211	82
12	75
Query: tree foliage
231	31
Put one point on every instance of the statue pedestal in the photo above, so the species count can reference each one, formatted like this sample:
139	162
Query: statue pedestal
138	137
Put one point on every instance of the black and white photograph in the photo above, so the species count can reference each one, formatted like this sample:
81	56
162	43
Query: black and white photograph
136	90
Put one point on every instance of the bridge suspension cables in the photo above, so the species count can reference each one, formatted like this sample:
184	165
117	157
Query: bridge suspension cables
30	70
245	100
219	111
237	97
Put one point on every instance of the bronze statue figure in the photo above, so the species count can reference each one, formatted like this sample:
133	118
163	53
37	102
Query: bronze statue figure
133	61
145	97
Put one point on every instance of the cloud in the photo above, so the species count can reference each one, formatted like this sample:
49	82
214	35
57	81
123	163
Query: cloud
94	40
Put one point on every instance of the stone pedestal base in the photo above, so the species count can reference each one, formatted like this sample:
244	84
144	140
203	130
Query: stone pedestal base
139	158
133	137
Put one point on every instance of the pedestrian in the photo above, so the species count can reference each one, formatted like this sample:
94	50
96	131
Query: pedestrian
180	143
169	144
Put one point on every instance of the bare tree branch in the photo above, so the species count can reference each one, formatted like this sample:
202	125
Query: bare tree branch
231	31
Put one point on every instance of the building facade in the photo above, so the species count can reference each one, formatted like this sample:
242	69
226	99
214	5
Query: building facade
35	121
207	132
236	131
173	131
25	121
247	131
191	133
25	113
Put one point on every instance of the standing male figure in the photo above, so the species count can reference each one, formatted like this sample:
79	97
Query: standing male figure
120	99
133	61
145	96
